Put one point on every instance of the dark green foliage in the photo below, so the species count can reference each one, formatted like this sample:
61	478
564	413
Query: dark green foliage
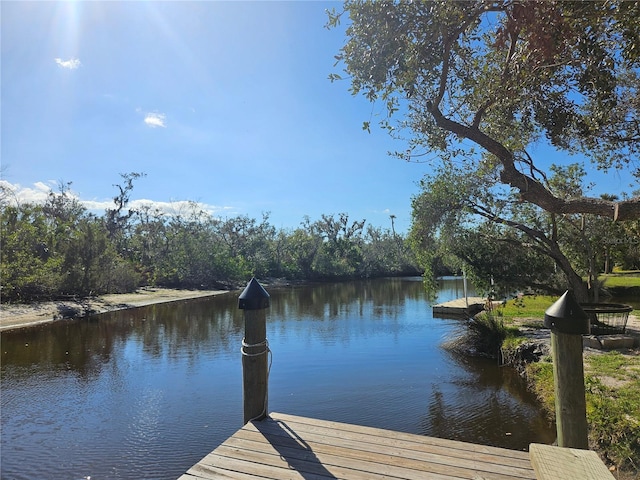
30	269
59	249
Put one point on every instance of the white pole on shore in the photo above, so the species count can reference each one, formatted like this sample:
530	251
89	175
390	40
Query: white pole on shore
464	287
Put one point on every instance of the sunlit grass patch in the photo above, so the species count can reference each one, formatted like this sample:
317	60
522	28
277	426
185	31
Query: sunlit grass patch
625	272
513	341
614	364
540	378
613	416
613	411
527	306
615	280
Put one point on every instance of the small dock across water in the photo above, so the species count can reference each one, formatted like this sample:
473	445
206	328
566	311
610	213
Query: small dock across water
287	447
459	308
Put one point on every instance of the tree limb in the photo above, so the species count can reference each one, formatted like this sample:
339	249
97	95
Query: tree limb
531	190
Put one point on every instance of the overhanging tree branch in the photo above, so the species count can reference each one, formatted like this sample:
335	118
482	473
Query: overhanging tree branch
530	189
546	245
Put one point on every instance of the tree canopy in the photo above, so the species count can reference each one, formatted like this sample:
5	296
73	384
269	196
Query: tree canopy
478	83
59	249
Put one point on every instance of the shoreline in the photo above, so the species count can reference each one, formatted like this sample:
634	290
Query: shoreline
16	316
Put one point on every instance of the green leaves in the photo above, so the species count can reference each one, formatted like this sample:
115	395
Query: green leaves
500	77
59	249
503	75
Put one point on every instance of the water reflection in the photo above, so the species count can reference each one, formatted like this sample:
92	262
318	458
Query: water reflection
166	330
488	404
146	393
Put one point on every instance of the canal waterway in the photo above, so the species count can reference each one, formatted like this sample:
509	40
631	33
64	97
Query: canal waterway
146	393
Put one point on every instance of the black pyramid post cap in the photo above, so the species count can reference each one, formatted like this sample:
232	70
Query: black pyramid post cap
253	297
567	316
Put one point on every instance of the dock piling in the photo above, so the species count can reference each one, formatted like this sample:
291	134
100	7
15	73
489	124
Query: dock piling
568	322
254	300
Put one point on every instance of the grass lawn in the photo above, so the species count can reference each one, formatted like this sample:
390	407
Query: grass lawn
529	306
615	280
534	306
612	382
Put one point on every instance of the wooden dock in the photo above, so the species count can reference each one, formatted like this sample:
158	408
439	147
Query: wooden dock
459	308
287	447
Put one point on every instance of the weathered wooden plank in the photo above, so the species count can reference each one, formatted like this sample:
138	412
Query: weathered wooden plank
389	437
259	465
209	472
330	466
287	447
462	302
287	467
412	447
372	464
355	449
558	463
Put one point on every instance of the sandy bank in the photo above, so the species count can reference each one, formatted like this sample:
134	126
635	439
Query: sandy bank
19	316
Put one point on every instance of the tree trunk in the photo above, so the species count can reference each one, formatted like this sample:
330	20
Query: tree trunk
580	289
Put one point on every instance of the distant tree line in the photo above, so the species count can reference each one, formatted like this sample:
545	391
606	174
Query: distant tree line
59	248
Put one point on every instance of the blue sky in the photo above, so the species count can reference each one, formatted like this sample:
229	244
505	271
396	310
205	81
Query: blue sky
223	103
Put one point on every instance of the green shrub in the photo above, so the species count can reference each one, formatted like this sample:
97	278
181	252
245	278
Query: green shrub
540	380
484	336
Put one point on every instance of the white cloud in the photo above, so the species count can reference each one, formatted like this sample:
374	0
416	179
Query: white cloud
180	207
155	120
14	193
19	194
71	64
97	206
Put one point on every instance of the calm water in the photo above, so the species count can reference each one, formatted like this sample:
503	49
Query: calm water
146	393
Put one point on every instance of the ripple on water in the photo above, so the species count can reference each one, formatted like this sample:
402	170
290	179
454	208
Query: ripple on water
124	399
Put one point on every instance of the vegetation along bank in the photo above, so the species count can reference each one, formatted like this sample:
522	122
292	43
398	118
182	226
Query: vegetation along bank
59	249
515	335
